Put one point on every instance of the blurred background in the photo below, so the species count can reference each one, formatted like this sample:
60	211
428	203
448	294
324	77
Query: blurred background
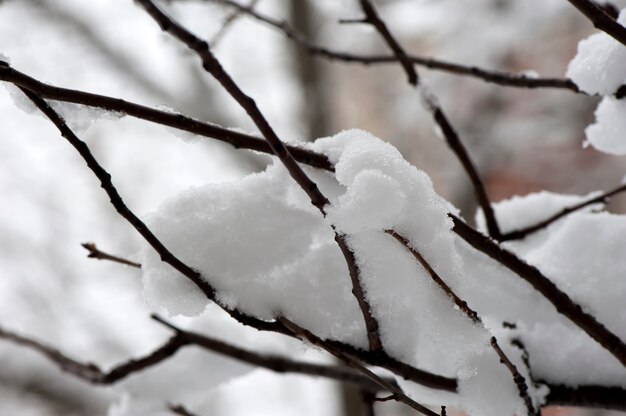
522	141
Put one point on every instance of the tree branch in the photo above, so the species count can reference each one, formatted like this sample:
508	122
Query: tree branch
95	253
494	77
451	136
214	67
601	20
174	120
560	300
90	372
523	232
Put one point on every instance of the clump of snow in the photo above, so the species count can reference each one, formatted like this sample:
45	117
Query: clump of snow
607	133
579	253
529	73
5	58
599	67
269	252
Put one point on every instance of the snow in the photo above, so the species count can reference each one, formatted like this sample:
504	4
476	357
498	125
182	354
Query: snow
579	253
260	235
599	67
607	133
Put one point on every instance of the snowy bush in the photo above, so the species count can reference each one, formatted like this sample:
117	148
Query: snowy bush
340	248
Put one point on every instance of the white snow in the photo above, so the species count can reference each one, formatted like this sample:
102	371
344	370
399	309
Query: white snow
268	252
608	133
599	67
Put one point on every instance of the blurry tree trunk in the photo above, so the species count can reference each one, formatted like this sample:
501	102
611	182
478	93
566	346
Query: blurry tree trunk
309	72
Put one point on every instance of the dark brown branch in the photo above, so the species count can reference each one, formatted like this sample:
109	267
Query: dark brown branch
601	20
355	364
560	300
523	232
90	372
495	77
174	120
519	380
95	253
271	362
583	396
450	134
214	67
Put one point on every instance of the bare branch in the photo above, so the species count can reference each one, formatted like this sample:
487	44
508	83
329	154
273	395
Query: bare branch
228	22
90	372
95	253
214	67
601	20
271	362
523	232
450	134
177	121
495	77
560	300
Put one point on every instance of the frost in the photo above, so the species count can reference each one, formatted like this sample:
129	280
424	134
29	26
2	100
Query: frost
80	117
20	100
599	67
77	116
607	133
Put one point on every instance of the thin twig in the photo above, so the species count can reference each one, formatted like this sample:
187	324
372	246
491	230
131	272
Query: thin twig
90	372
495	77
559	299
523	232
170	119
601	20
450	134
228	22
93	374
211	64
271	362
95	253
518	379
